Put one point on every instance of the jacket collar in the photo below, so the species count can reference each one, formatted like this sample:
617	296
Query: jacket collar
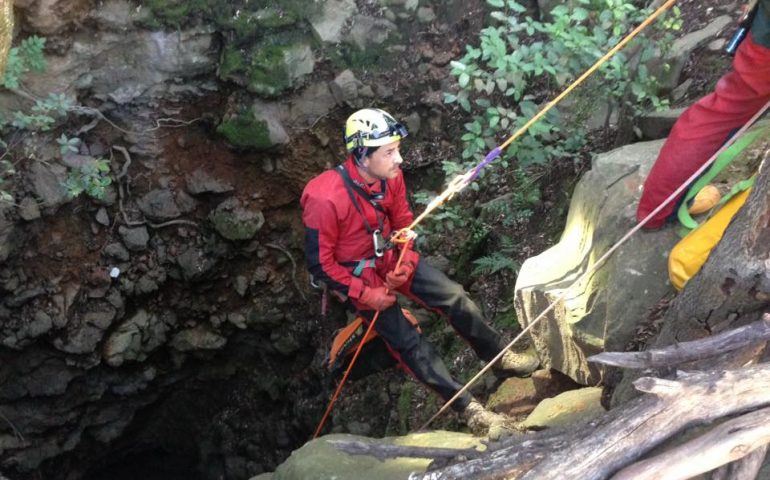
350	166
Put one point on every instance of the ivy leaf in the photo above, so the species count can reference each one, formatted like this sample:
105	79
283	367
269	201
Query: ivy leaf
463	80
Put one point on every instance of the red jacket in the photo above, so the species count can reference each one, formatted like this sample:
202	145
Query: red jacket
335	233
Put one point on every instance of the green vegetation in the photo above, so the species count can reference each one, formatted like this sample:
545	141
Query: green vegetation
93	177
518	65
243	130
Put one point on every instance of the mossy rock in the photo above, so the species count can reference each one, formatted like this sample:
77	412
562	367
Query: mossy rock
247	18
269	68
234	222
245	131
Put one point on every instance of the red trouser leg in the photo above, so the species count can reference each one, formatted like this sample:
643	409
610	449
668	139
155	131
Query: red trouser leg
705	126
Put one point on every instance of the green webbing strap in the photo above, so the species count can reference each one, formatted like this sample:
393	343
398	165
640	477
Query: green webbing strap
721	162
362	264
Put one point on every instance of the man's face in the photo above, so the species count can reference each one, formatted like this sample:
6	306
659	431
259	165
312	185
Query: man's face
385	162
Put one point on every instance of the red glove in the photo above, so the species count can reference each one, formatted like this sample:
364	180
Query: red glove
377	298
396	278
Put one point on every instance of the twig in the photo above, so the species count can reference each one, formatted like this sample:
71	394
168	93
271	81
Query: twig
293	267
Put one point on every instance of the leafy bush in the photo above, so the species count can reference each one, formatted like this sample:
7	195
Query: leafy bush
92	178
518	58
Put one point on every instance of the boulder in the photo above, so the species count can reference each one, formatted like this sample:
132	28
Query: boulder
200	181
566	409
270	67
135	238
122	66
345	87
257	126
329	22
159	205
680	52
234	222
370	32
135	338
320	460
601	312
47	184
656	125
197	338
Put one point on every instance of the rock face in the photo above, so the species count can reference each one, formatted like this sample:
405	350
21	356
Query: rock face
599	313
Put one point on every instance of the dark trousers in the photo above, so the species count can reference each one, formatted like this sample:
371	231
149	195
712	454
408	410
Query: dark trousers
431	288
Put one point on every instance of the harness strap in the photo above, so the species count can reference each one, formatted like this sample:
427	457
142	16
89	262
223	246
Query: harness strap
350	185
360	265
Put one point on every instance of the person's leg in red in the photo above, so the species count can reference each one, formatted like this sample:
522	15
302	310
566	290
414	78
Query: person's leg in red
705	126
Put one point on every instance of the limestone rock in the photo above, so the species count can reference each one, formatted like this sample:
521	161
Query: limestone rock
565	409
122	66
345	87
135	238
200	181
601	313
319	460
655	125
313	103
85	330
198	338
135	338
159	205
195	264
680	52
368	32
257	126
234	222
425	15
47	181
29	209
117	251
328	23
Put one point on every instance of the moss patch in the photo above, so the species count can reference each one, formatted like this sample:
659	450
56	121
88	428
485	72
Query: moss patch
245	131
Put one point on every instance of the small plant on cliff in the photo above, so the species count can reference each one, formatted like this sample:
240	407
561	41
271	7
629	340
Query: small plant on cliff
41	116
92	177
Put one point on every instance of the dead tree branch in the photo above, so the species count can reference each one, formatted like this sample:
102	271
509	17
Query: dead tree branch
383	452
601	447
726	443
728	341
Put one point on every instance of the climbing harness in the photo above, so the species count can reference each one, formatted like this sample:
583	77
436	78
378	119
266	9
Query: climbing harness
378	241
461	181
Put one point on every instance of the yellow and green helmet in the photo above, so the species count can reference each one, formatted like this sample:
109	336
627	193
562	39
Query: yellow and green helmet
372	127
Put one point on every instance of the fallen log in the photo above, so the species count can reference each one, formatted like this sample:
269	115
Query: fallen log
746	468
728	341
726	443
600	447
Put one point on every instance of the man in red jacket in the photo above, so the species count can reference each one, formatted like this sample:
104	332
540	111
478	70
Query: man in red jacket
349	214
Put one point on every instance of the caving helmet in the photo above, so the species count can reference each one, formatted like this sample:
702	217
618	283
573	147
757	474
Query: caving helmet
368	128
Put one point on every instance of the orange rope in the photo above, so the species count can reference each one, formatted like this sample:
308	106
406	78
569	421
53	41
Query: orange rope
403	237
